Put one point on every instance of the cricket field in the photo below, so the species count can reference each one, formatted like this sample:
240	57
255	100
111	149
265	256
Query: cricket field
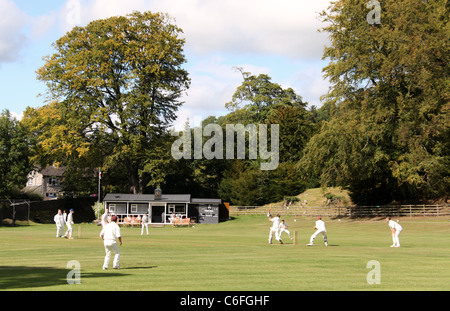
232	256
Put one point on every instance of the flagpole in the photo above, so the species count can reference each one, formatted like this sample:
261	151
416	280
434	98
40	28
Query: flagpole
99	182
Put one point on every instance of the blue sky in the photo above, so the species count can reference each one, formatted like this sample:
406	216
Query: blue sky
278	38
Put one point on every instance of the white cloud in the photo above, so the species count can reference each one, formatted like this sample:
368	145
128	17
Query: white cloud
81	12
284	27
12	37
213	83
18	30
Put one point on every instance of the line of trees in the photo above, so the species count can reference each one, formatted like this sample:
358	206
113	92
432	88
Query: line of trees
383	131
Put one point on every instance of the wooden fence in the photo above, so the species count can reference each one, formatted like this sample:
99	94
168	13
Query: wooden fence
348	211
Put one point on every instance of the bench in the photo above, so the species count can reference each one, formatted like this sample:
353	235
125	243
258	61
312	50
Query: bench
132	221
181	222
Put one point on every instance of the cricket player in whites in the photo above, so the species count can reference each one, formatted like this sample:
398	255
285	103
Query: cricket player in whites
284	228
59	221
320	227
396	229
109	234
69	224
275	229
144	223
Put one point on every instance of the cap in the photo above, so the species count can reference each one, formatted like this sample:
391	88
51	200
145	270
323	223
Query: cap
319	217
113	218
71	210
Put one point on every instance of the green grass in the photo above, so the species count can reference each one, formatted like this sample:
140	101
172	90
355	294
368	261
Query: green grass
233	255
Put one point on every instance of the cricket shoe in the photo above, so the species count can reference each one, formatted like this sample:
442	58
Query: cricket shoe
310	244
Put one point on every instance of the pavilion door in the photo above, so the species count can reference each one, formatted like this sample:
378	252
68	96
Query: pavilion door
157	214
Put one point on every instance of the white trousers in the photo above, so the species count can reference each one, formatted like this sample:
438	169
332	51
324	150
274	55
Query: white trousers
324	233
272	232
111	246
59	231
395	238
69	230
142	228
285	230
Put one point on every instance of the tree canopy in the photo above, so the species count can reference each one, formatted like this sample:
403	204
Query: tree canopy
389	136
15	143
114	87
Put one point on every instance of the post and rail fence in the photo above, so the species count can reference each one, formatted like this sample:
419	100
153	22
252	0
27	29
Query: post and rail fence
346	211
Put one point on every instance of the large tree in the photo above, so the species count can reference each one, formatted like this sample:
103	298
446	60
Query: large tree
258	95
114	87
389	134
14	155
258	100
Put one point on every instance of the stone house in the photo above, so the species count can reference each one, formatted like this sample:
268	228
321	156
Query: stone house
46	182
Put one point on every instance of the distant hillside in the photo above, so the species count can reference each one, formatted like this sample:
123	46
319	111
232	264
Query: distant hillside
321	197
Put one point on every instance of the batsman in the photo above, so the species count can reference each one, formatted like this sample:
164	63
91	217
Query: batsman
275	229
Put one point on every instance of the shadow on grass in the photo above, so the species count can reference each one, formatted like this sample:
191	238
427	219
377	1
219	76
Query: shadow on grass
133	268
17	277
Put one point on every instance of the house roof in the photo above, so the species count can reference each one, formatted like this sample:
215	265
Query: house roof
53	171
179	198
120	197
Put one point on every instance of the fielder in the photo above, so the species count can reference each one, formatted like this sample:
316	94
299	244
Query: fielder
283	228
144	223
320	227
69	224
59	221
396	229
109	234
275	229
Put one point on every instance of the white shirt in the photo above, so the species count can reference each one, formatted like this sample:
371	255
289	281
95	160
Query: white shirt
111	231
320	225
144	219
70	219
283	225
59	220
276	222
394	225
